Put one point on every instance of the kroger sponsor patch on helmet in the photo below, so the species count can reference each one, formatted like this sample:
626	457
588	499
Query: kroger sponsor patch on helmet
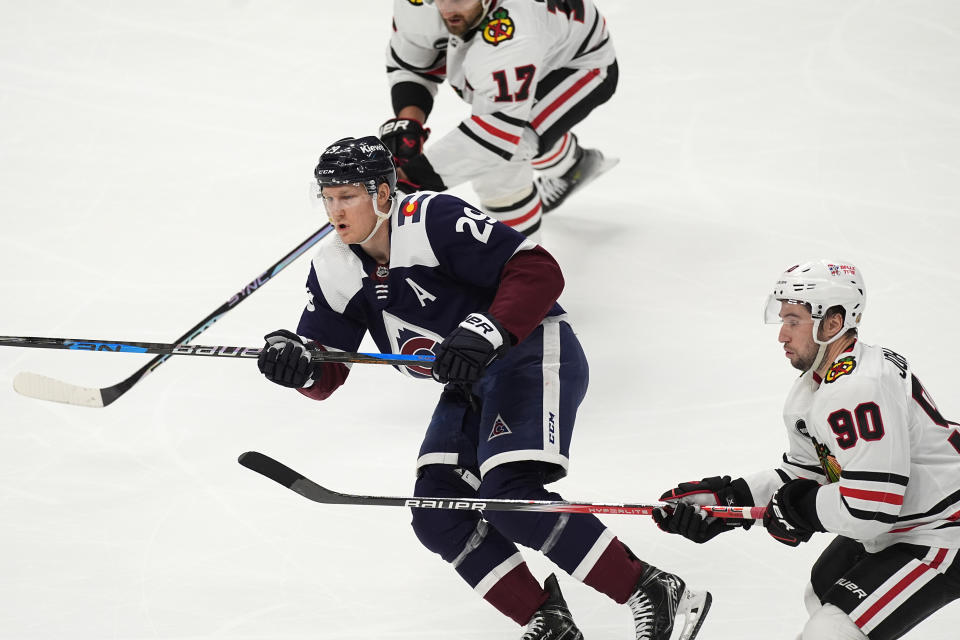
841	367
498	28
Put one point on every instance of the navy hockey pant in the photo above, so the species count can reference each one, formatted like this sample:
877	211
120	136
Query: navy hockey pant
483	549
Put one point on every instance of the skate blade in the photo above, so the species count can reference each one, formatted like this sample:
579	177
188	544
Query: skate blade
602	168
694	606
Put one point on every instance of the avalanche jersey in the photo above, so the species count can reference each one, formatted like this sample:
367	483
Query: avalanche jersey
496	69
445	263
888	460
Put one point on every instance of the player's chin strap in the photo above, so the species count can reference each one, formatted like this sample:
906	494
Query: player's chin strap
381	215
822	352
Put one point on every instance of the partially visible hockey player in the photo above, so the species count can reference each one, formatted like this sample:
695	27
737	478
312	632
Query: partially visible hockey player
531	70
428	272
870	459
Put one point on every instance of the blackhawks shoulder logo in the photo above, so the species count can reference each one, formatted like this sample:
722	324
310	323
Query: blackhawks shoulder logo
498	27
841	367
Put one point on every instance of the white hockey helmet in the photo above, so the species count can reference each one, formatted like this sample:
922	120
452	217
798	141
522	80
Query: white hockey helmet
820	284
465	3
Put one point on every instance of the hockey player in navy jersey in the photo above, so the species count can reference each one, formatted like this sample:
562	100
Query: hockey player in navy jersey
430	273
870	459
530	69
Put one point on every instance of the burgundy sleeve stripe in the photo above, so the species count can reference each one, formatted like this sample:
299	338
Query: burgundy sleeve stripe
872	496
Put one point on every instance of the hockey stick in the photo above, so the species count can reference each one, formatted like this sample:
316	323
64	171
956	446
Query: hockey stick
282	474
41	387
168	350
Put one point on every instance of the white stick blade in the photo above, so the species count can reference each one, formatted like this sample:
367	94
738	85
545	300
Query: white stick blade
33	385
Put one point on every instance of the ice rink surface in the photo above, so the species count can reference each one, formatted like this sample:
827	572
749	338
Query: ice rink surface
156	156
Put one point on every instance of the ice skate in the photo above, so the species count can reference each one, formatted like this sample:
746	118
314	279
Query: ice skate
590	164
552	620
659	599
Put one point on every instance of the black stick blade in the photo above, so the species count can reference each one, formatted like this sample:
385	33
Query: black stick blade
267	466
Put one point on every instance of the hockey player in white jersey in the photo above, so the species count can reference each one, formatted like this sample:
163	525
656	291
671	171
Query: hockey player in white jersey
870	459
530	69
427	272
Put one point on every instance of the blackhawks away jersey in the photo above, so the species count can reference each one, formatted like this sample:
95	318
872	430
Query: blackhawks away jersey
871	434
496	69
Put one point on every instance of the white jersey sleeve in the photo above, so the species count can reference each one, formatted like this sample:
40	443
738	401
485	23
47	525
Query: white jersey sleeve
801	459
417	49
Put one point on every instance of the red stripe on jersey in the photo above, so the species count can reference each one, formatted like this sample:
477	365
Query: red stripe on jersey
909	579
500	133
564	97
516	221
563	148
953	518
872	496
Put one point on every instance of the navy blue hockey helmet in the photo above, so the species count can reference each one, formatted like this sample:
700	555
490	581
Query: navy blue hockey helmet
363	161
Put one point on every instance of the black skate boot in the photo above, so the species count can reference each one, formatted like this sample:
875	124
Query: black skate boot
660	597
590	163
552	621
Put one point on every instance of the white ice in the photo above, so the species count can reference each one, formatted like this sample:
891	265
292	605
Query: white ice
156	156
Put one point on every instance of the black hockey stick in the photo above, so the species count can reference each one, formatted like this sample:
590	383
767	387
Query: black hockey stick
43	388
117	346
282	474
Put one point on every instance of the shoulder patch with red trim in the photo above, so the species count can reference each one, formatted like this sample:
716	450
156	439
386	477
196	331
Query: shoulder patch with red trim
841	367
499	27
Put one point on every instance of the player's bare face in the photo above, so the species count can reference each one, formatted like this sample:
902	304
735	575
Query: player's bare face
796	335
350	210
459	15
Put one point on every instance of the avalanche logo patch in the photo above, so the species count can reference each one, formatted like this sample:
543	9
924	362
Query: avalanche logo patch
500	428
410	208
841	367
498	28
408	339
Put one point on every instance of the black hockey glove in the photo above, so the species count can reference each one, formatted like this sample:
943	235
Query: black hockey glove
404	138
285	360
791	516
464	355
684	517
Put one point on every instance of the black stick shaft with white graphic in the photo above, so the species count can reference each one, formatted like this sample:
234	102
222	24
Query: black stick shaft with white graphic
116	346
44	388
284	475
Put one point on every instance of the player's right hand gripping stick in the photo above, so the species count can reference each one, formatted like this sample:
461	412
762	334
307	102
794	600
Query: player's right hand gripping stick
684	516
